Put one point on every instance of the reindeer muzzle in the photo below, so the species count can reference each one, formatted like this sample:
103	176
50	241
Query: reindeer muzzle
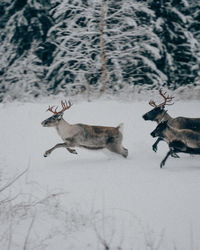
145	117
153	134
44	124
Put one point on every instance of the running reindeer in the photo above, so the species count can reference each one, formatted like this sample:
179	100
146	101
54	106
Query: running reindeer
158	114
82	135
179	140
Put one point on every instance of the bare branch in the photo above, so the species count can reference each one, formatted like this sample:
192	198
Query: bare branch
29	232
13	181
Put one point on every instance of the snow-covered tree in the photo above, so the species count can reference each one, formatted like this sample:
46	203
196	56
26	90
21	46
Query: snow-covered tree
180	62
23	32
70	46
76	35
132	47
98	42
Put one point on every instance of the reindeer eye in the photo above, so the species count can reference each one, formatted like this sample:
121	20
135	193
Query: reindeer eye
54	118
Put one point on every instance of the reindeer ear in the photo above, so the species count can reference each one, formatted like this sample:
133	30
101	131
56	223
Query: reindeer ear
60	116
165	122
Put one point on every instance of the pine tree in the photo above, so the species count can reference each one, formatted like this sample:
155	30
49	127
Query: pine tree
107	44
180	61
73	46
76	35
132	47
23	28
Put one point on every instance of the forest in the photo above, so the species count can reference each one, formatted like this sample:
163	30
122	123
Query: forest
48	47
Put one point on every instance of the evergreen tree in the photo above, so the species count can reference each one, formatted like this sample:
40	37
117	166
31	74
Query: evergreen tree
180	61
76	35
132	47
53	46
24	26
110	42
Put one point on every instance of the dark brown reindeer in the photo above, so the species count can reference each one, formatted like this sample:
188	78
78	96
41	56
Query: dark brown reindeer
158	114
82	135
179	140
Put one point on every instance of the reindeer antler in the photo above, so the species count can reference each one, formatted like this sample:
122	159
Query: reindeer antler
51	110
65	105
153	104
167	100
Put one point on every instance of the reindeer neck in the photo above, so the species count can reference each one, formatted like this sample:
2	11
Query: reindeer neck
163	117
62	123
170	132
62	128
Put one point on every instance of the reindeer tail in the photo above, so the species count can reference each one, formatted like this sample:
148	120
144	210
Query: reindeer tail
121	127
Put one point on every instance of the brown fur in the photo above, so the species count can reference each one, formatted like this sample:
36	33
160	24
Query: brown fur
86	136
159	114
177	122
188	137
179	140
183	123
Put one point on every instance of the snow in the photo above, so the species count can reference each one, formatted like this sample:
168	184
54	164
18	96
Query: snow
96	198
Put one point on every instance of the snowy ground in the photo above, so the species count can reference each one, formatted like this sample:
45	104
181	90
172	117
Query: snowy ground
94	199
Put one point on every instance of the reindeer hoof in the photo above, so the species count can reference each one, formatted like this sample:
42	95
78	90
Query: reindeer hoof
154	148
174	155
46	154
162	164
72	151
125	152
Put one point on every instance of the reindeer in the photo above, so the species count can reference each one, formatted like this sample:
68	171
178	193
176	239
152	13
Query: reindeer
180	140
158	114
82	135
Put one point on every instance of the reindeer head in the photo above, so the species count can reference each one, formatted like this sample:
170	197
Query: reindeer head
158	131
158	109
57	115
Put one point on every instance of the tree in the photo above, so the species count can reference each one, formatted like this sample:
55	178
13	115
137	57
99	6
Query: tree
73	46
24	28
132	47
180	61
107	45
76	35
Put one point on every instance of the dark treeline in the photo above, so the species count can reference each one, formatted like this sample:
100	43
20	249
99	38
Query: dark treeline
72	46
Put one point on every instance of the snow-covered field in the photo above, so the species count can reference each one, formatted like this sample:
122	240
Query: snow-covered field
95	199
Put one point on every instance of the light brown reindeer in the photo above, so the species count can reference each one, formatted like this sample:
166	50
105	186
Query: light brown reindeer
158	114
82	135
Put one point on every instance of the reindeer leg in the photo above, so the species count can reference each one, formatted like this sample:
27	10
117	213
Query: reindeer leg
176	146
121	150
164	160
115	148
71	150
155	145
60	145
71	143
174	155
124	152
